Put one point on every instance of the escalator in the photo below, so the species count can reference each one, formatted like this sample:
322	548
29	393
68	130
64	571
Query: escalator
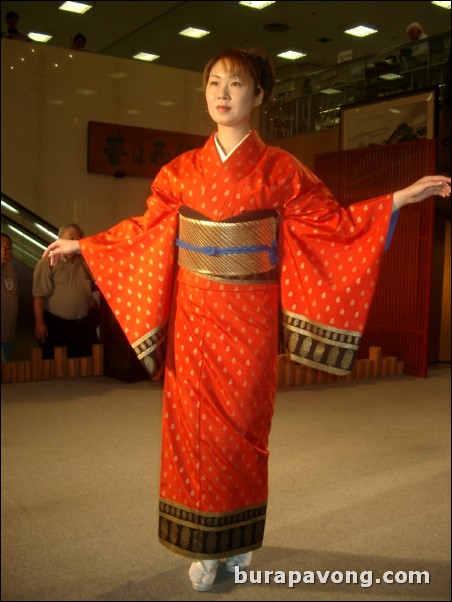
30	236
29	233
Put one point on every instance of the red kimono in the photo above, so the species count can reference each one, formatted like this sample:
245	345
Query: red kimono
218	336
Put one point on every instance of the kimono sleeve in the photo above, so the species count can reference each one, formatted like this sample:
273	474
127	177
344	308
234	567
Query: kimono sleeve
330	262
132	264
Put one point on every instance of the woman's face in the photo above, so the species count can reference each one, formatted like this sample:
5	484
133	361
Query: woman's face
230	97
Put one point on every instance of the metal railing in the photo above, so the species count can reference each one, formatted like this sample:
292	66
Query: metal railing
311	102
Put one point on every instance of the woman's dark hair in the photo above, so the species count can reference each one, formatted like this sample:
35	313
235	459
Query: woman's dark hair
253	64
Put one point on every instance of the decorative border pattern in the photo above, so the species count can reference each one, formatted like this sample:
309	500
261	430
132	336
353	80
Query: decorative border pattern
210	535
150	349
320	346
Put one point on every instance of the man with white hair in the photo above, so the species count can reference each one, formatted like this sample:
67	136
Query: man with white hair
420	51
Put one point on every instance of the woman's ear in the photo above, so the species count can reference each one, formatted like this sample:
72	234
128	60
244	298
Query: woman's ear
259	98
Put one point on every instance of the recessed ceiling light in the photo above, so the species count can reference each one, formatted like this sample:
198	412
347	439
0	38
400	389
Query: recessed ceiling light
291	55
442	4
390	76
258	5
146	56
361	31
330	91
39	37
75	7
194	32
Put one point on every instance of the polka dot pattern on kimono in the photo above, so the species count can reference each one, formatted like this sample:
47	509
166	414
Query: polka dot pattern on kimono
230	369
221	361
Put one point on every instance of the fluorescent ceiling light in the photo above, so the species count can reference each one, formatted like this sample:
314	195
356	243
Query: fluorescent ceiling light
292	55
361	31
75	7
146	56
390	76
194	32
330	91
258	5
442	4
39	37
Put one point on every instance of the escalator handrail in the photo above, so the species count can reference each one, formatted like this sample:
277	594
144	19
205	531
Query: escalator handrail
29	215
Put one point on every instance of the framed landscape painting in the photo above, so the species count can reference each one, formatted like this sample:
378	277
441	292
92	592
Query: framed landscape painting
389	120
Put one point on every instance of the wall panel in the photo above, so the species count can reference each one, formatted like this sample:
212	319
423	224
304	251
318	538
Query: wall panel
400	314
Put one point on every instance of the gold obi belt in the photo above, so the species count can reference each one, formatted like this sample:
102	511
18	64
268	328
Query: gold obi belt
227	249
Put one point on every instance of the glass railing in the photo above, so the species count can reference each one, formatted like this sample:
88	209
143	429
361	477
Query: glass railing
311	102
29	233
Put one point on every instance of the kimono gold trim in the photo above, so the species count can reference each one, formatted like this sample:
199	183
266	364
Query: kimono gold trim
150	349
318	345
254	279
210	535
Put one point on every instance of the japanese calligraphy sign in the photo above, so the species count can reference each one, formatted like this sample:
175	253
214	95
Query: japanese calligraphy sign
123	150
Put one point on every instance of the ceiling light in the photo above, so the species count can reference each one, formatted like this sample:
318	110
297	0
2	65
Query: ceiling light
75	7
390	76
39	37
330	91
258	5
442	4
146	56
291	55
361	31
194	32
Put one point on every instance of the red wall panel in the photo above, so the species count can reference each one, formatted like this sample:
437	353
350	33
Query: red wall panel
399	317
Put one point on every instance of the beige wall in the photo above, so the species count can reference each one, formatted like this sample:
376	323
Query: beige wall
306	146
50	94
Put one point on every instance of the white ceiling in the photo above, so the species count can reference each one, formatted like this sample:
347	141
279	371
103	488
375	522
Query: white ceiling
122	29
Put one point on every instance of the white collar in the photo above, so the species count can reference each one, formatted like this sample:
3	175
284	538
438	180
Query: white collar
223	155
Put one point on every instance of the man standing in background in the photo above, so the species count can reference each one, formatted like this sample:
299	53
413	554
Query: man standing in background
9	299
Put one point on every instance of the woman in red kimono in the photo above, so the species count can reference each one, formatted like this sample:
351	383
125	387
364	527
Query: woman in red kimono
236	236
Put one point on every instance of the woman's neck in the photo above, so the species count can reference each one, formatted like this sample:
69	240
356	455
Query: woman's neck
228	138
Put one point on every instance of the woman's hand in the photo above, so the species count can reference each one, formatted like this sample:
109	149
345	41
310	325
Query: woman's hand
62	246
422	189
